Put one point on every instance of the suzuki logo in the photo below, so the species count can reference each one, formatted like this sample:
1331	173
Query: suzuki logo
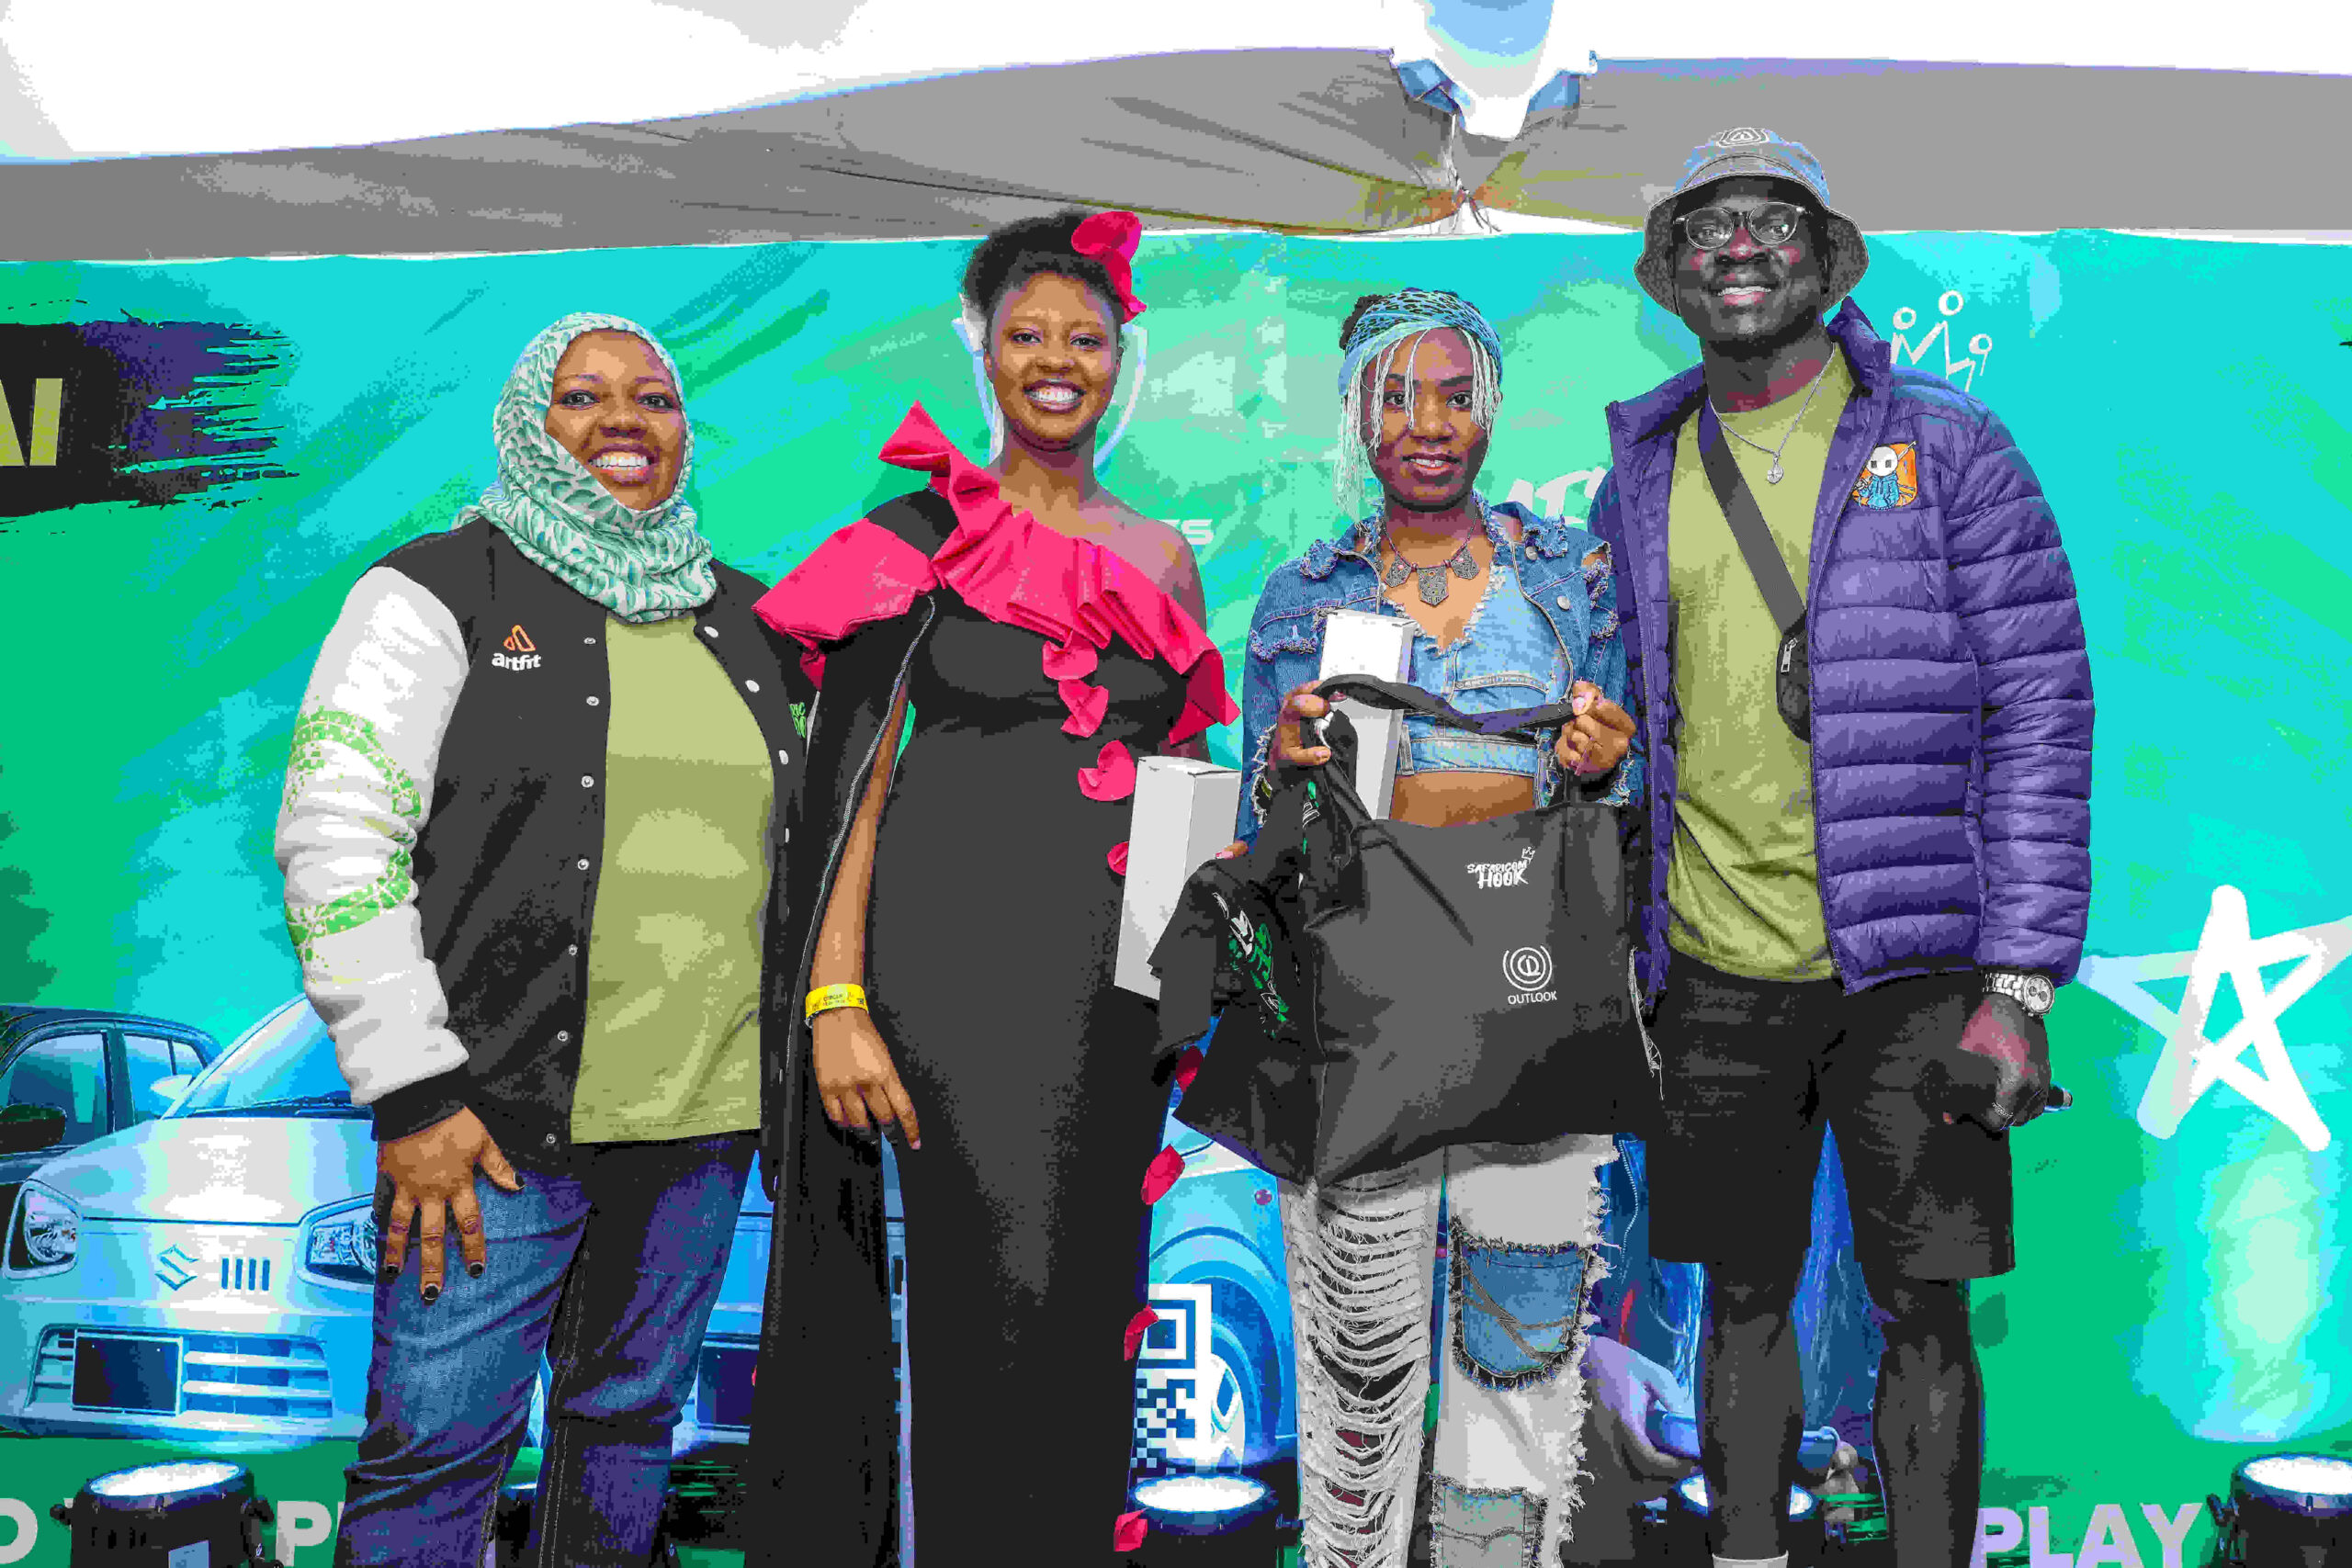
172	1269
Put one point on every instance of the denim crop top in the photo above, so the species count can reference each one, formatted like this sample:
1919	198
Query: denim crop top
1508	656
1557	571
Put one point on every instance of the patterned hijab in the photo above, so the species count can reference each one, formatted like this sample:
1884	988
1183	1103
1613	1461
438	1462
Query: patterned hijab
642	566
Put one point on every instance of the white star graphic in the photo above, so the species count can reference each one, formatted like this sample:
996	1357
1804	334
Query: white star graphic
2191	1064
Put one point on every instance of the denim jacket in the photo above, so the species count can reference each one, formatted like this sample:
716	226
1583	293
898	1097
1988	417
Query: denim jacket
1564	572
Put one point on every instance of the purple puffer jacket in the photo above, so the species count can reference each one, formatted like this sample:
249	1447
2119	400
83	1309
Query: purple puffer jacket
1952	689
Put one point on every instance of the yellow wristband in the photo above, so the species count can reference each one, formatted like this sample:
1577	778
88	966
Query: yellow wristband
824	998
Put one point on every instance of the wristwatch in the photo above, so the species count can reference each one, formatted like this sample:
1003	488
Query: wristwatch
2030	991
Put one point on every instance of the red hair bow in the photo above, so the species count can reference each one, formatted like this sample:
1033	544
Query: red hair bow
1110	238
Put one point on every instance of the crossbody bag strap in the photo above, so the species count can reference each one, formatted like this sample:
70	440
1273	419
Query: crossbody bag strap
1764	562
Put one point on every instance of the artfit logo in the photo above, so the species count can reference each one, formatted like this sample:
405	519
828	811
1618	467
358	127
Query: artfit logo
521	653
1529	970
1510	873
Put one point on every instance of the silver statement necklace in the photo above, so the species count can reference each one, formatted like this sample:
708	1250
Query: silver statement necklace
1433	585
1772	474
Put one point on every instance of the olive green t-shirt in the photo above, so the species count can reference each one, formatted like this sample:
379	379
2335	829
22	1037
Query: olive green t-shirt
1743	884
672	1047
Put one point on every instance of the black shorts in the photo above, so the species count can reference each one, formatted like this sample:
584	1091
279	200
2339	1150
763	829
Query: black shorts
1756	1068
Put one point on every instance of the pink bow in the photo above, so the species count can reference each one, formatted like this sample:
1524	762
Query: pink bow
918	443
1110	238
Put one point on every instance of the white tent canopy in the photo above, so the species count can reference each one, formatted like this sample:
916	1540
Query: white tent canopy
293	129
261	74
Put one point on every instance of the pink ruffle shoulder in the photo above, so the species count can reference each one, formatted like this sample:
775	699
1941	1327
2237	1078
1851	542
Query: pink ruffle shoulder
1074	593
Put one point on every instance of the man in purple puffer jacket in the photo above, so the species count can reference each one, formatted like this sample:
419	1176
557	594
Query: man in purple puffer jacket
1855	917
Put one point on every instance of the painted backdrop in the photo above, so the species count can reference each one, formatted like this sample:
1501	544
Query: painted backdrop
183	506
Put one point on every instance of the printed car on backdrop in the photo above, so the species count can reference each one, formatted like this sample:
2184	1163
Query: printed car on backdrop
69	1074
206	1276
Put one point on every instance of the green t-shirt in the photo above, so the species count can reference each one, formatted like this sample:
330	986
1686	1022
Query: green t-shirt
1743	884
671	1048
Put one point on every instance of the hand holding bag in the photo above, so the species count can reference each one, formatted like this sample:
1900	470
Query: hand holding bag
1418	987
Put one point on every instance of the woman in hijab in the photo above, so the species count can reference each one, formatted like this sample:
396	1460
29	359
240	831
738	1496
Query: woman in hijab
527	836
957	984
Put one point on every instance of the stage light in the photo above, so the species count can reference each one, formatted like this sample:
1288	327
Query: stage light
1201	1504
1692	1491
1218	1518
155	1516
1804	1540
2286	1511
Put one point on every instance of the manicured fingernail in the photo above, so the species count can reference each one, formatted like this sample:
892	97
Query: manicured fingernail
431	1295
1583	700
916	1144
474	1269
392	1270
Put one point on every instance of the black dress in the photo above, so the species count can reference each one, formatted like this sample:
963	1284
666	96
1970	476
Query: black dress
995	914
992	926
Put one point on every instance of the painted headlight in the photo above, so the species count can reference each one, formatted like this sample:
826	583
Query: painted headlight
343	1245
49	1229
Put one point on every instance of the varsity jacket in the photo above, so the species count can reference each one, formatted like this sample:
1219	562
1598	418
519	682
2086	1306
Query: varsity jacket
443	830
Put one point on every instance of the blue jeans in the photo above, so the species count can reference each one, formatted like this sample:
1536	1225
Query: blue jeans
610	1264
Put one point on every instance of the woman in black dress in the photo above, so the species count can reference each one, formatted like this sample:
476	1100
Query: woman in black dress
961	896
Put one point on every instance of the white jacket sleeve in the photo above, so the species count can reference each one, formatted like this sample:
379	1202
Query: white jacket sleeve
358	789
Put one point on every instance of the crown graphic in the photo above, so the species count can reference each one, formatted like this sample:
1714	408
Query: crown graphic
1948	305
519	641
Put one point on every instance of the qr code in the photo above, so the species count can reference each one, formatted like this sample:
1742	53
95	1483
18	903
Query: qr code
1168	1366
1164	1415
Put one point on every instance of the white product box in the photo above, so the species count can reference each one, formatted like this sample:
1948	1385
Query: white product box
1356	642
1185	813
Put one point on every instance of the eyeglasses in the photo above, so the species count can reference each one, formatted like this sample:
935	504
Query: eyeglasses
1711	228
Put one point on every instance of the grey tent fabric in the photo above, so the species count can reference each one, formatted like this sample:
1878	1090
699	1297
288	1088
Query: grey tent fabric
1908	146
1304	141
1312	140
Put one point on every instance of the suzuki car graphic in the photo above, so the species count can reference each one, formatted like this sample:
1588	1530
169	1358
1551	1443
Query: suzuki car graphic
206	1278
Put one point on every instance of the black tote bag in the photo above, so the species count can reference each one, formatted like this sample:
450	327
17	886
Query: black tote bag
1417	988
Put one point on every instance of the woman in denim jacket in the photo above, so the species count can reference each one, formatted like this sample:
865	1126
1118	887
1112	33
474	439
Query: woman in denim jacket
1512	610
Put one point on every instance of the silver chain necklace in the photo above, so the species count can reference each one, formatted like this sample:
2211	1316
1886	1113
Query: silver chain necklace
1772	474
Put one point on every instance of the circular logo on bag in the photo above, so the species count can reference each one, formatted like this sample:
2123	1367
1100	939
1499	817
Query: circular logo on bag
1527	968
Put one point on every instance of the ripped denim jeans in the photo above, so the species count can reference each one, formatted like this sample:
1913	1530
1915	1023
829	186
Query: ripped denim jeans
1509	1445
